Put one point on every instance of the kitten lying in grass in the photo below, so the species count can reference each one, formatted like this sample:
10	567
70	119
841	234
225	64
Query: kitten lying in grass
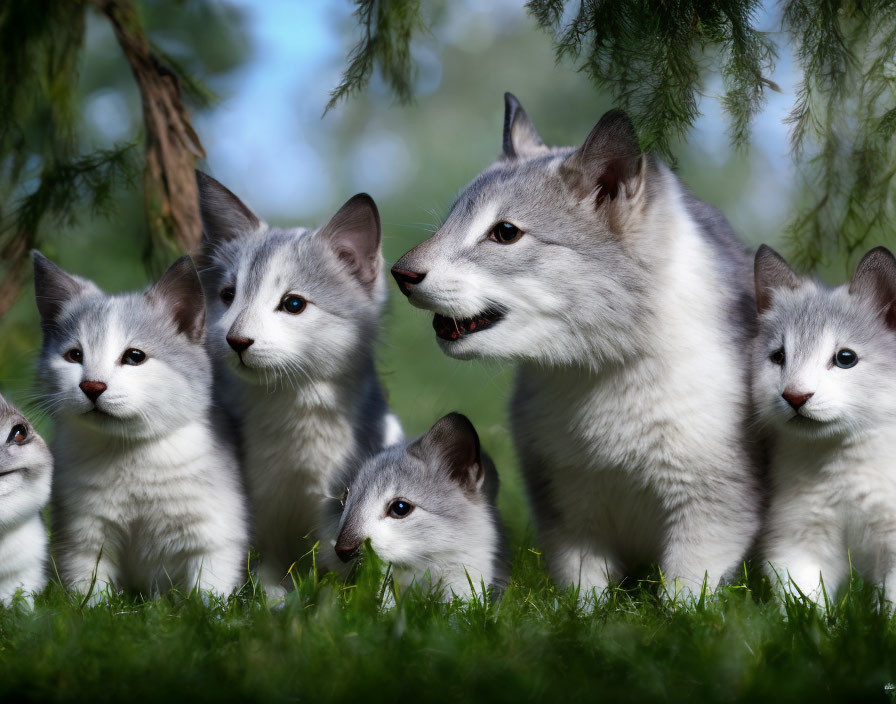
26	468
147	492
825	385
428	508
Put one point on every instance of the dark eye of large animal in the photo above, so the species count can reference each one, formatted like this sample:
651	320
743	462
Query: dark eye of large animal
227	295
293	304
845	359
17	435
74	355
778	357
400	508
133	357
505	233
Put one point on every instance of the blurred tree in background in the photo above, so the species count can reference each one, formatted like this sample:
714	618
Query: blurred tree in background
654	57
48	170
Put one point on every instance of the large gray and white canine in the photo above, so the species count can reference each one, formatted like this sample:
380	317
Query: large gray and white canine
294	315
627	304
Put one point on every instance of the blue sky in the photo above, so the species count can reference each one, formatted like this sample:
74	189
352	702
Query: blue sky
268	142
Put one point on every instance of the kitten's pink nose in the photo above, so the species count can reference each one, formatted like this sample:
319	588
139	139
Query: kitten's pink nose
239	344
796	400
92	389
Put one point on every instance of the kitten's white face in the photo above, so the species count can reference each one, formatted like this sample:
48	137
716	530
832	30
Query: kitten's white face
295	321
423	506
26	467
289	306
825	362
131	365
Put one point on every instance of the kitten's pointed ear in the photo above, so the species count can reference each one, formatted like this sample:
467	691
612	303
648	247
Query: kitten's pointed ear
771	271
224	216
454	444
520	136
53	288
179	291
875	278
354	233
610	163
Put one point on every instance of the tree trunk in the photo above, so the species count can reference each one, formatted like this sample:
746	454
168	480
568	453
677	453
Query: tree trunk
172	146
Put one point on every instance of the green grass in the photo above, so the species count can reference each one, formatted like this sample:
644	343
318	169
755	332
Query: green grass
334	641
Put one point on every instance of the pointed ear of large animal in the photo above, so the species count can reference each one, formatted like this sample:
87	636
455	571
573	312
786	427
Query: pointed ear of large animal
610	164
224	216
355	233
54	288
453	444
180	292
520	136
772	272
875	278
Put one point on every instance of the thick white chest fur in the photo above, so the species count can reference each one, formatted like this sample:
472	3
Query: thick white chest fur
149	515
833	506
644	462
297	442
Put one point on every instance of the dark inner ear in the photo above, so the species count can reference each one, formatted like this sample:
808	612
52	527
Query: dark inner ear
520	136
354	233
224	216
454	444
53	287
771	272
609	161
875	278
180	291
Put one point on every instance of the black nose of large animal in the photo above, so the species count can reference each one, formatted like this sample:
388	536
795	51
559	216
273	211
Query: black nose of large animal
239	344
796	400
407	279
92	389
347	551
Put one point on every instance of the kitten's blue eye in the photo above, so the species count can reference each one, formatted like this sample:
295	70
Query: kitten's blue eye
505	233
75	356
227	295
293	304
846	359
778	357
133	357
400	508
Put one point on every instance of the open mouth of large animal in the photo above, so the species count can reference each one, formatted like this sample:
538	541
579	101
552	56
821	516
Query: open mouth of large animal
448	328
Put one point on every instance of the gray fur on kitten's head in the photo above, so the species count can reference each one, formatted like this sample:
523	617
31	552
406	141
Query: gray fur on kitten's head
424	504
825	362
26	468
289	304
130	365
506	272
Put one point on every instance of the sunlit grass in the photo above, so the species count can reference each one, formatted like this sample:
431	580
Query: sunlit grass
334	640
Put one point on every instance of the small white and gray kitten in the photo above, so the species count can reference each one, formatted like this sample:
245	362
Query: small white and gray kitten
825	386
26	469
147	492
294	315
428	508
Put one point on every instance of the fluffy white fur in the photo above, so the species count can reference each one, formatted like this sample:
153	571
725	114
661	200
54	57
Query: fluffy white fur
26	468
625	315
147	493
451	541
833	501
